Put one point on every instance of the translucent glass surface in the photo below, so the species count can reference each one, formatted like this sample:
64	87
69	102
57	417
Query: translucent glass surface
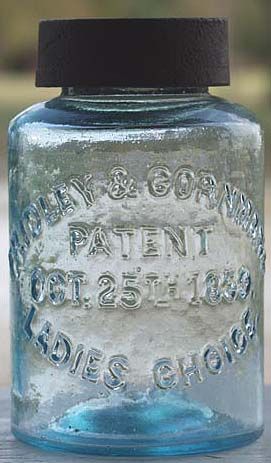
137	261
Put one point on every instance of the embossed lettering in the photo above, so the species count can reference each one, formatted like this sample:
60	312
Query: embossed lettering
250	322
91	370
76	279
165	374
107	297
195	299
37	283
213	360
51	214
42	338
99	242
125	237
56	284
238	339
229	286
226	349
152	280
78	234
83	185
243	212
15	256
150	243
114	378
131	297
61	349
159	181
203	233
27	323
230	197
244	283
121	184
207	189
77	359
213	295
63	198
178	241
31	221
190	367
184	182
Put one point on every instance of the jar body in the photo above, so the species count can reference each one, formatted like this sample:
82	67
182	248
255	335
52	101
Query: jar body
137	260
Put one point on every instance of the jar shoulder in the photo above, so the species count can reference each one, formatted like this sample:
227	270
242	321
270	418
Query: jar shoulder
132	114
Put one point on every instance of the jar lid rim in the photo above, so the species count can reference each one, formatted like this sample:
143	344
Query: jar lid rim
133	52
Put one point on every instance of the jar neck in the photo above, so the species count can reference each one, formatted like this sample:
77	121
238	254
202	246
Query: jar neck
132	91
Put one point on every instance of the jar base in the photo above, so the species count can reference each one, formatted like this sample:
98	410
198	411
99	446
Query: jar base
122	448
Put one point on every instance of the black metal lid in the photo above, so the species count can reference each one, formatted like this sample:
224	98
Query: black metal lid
172	52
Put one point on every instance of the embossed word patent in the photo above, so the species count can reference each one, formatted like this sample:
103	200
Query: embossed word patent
90	252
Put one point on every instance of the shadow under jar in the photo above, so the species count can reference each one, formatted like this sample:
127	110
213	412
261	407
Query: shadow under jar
137	249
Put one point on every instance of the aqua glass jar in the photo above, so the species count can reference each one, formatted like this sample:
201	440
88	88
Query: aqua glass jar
136	244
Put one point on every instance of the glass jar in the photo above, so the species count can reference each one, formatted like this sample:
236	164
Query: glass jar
137	259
